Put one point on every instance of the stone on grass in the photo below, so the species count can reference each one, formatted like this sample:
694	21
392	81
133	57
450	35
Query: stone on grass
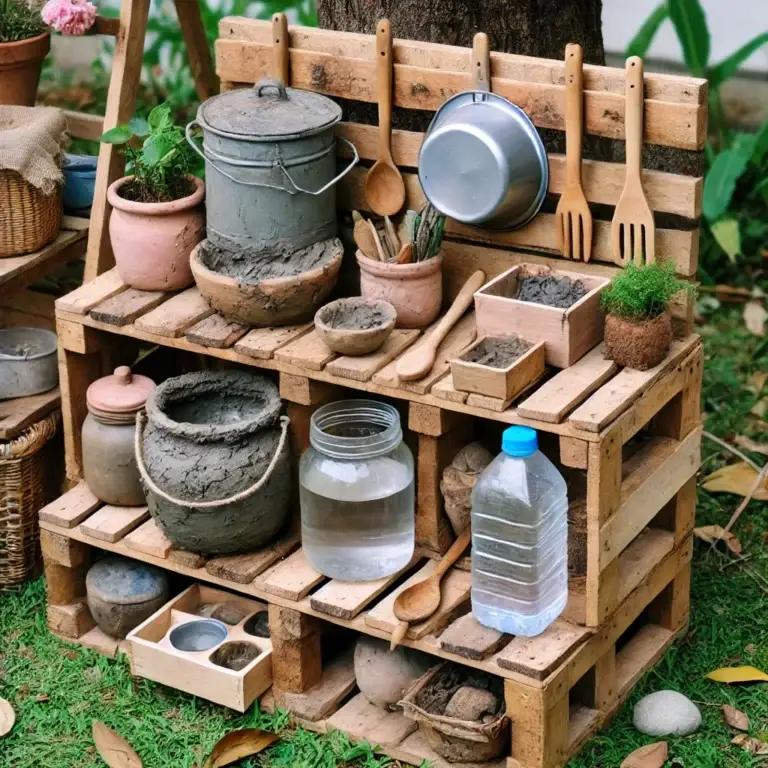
666	713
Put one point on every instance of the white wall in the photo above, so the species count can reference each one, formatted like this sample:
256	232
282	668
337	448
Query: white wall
731	22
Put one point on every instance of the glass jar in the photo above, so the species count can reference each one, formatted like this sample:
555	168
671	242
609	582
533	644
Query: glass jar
357	492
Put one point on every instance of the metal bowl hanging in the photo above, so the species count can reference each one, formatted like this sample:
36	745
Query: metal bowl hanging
482	161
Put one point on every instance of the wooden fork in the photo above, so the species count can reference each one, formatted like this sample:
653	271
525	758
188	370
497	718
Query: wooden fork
633	233
573	217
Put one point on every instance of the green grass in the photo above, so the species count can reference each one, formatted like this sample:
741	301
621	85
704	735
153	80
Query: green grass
57	690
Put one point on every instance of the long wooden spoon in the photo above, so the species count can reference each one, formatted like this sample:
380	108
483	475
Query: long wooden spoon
384	186
418	361
419	602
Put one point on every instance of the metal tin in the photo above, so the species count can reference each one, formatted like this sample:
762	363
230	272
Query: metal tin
28	364
270	160
483	162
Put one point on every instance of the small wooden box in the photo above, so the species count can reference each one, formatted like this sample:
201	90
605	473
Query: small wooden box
503	383
568	334
154	658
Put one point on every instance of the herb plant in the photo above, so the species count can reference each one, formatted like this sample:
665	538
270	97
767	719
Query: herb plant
19	22
642	292
162	165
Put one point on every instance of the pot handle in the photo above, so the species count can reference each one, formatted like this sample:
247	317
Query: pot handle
141	418
333	181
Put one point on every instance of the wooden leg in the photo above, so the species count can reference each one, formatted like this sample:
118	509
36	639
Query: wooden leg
574	453
198	48
296	656
598	689
671	609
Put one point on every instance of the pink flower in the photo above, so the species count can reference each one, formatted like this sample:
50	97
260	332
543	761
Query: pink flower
70	17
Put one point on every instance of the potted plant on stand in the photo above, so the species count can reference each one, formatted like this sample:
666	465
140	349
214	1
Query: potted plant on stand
24	43
157	212
638	326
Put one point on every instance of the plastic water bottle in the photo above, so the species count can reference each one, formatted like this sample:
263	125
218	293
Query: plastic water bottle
519	539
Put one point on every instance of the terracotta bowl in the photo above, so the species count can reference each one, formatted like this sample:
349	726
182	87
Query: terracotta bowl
359	341
271	302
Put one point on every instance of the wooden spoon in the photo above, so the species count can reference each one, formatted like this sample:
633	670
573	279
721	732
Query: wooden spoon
419	602
417	362
363	237
281	52
375	237
384	186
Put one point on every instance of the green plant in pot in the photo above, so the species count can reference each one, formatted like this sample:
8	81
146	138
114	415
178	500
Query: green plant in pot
24	43
157	211
638	326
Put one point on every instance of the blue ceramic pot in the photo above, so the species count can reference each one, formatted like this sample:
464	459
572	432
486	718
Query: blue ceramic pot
79	181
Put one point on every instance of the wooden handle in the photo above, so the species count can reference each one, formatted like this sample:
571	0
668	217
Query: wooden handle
633	119
281	44
457	309
384	85
398	633
454	553
379	247
574	112
481	62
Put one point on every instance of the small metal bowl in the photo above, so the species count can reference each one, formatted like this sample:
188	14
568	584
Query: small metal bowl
28	364
199	635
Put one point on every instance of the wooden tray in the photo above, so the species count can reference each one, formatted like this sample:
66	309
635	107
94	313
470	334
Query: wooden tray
155	658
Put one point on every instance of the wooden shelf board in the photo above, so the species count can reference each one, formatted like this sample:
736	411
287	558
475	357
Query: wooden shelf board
21	412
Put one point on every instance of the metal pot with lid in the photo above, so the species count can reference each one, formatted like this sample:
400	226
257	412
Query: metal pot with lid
270	161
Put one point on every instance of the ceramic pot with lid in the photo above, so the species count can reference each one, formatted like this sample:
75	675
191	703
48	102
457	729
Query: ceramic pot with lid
270	167
109	461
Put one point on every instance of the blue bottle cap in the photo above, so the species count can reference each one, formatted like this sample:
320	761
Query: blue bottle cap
519	441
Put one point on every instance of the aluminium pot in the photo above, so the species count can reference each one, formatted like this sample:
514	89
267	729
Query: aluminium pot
28	363
270	167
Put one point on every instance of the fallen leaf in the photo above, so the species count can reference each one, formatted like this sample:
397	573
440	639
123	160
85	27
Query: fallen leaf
738	675
735	718
755	317
7	717
42	698
115	751
713	533
754	746
735	478
239	744
748	444
757	381
650	756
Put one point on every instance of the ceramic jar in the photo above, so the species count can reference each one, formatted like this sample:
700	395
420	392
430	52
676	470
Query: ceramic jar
109	434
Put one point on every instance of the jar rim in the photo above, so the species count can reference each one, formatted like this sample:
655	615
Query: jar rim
349	413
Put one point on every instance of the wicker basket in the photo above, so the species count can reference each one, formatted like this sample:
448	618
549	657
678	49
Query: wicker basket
29	476
29	220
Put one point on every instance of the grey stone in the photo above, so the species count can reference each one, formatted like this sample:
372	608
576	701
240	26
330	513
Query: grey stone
666	713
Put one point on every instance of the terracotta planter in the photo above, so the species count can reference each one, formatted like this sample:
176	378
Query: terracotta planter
414	290
638	345
20	65
152	241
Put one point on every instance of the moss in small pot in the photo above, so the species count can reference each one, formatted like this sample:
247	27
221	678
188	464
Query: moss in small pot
638	327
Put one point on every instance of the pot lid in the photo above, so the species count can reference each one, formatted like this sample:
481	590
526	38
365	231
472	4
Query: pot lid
269	111
123	392
121	581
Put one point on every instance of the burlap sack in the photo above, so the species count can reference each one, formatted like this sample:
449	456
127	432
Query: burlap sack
31	139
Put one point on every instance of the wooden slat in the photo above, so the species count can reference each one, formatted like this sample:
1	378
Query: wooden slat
84	126
470	639
556	398
71	508
308	351
293	578
174	316
187	559
262	343
624	388
92	293
243	569
362	721
641	557
124	307
639	654
362	368
21	412
215	331
602	182
112	523
150	539
445	390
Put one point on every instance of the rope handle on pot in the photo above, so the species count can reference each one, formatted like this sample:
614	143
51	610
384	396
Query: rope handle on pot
141	419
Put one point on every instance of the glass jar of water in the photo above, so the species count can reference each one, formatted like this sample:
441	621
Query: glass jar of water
357	492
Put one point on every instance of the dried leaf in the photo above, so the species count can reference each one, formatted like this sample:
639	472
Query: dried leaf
757	382
748	444
755	317
735	478
115	751
754	746
239	744
735	718
713	533
7	717
650	756
738	675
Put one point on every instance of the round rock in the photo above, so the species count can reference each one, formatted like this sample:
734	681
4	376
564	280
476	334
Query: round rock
666	713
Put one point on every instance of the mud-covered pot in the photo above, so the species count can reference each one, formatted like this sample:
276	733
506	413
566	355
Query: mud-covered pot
213	455
270	167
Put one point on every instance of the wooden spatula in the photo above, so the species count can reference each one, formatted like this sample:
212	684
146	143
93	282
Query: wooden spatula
633	233
573	217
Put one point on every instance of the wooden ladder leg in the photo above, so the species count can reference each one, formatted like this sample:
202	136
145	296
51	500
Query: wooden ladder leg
198	48
296	653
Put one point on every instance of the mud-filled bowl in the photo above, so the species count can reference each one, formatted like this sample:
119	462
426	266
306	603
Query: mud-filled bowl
214	460
355	326
198	635
236	655
272	289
